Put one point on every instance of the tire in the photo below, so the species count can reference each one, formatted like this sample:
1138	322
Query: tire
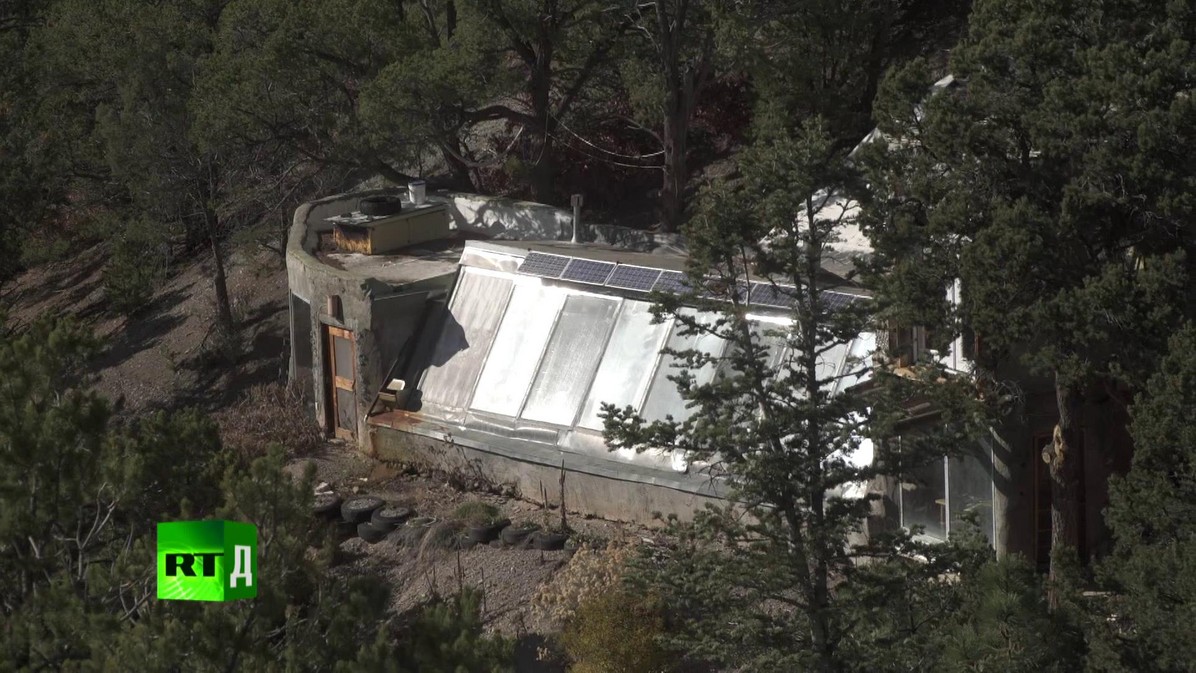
390	516
545	541
484	534
371	533
514	535
358	510
326	506
375	206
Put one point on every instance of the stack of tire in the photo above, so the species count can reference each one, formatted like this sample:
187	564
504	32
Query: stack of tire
367	517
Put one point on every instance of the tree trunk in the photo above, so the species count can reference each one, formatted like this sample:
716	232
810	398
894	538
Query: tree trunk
1063	459
224	313
676	171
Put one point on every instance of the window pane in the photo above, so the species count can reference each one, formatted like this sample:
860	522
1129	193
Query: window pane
465	338
342	350
923	500
569	362
345	409
771	337
971	488
626	368
663	398
517	349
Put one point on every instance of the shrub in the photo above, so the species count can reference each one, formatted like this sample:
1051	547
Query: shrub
477	513
591	572
617	632
271	414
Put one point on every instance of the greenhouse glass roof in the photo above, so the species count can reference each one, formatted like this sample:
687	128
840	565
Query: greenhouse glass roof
533	351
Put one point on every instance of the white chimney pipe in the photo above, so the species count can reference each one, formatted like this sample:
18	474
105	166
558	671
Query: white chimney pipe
417	192
576	201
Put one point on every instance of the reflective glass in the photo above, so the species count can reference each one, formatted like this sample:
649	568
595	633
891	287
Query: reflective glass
924	500
569	362
626	368
970	481
465	338
516	352
342	350
663	397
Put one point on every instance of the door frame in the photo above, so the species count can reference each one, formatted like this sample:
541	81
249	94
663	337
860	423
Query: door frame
334	382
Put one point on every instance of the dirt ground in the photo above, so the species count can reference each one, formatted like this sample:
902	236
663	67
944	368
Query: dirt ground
156	359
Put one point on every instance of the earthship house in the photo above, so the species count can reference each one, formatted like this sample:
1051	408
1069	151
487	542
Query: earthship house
457	329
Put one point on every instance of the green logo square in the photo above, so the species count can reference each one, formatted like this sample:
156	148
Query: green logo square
207	560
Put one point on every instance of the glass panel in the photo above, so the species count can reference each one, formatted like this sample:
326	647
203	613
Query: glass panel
516	352
345	409
830	363
342	350
773	340
971	488
465	338
664	399
859	361
626	368
570	360
924	500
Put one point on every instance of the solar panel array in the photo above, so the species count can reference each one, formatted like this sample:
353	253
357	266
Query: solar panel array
645	279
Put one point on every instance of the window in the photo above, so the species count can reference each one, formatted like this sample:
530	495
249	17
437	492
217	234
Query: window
942	495
570	360
465	338
515	356
663	397
626	368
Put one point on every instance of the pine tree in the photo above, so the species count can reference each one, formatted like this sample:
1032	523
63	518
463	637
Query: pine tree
1146	624
771	582
1045	177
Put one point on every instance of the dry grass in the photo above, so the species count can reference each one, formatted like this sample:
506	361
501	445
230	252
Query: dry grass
270	414
441	536
591	573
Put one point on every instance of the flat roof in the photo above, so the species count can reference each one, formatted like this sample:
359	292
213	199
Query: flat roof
605	253
667	261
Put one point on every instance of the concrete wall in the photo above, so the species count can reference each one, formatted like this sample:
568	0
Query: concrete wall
602	496
509	219
376	338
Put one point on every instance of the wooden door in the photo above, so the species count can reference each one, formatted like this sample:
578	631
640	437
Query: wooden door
342	380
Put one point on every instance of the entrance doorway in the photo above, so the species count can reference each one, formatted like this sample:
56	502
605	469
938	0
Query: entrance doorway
342	379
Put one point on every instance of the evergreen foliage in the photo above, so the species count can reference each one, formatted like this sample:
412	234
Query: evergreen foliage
80	493
1146	624
763	583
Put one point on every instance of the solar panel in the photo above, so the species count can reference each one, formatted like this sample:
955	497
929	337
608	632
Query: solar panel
588	271
837	300
630	277
540	264
673	283
780	296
